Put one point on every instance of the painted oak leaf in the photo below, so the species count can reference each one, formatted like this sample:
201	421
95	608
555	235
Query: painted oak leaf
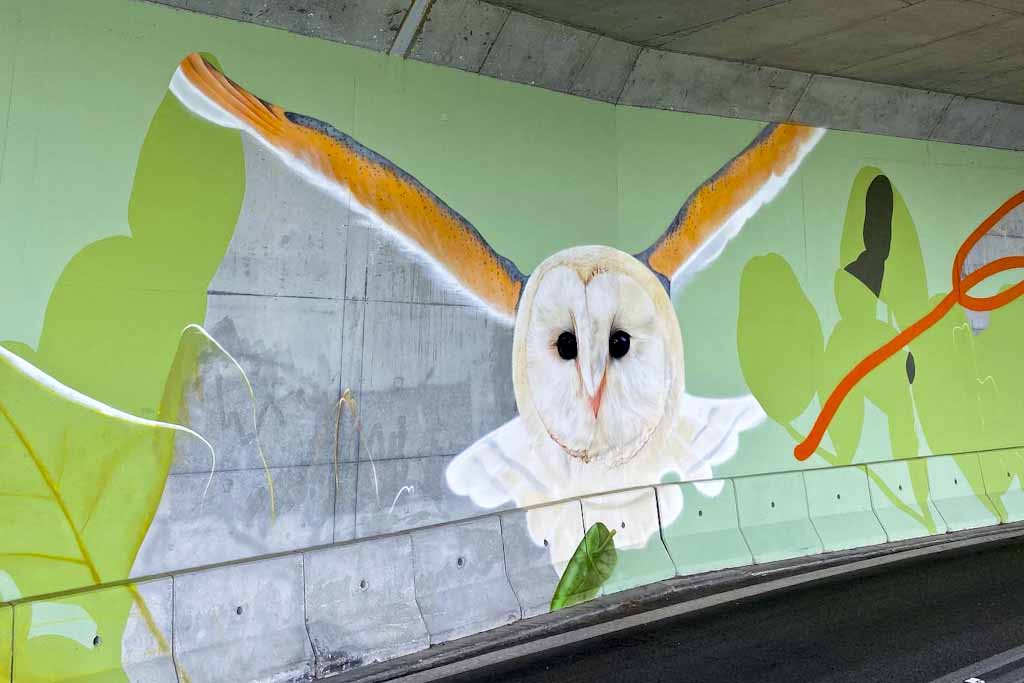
75	503
590	566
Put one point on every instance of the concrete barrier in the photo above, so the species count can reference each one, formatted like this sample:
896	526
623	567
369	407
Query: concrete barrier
243	622
903	509
958	490
89	625
1002	471
774	517
707	535
6	641
531	567
461	585
633	516
839	504
361	604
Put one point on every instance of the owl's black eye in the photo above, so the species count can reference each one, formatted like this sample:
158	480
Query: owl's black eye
566	345
618	344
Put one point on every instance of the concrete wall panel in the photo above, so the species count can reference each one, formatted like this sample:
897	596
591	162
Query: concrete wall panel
666	80
774	517
958	490
1002	473
461	585
361	604
706	536
458	33
531	567
840	507
633	516
243	622
6	641
234	520
900	486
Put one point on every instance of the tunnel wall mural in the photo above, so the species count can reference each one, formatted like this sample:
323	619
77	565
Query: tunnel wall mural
285	294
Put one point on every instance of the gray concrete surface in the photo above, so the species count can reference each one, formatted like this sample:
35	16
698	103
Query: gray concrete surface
361	604
243	622
461	585
732	58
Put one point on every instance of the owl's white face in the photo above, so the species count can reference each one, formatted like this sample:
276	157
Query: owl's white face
598	354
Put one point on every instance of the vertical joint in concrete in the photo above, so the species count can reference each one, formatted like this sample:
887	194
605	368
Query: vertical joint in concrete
410	27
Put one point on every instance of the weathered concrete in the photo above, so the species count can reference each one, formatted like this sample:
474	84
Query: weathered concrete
405	493
970	121
234	519
435	379
367	23
870	107
666	80
633	516
361	604
531	568
606	70
243	622
291	350
458	33
461	586
145	642
290	239
747	36
538	52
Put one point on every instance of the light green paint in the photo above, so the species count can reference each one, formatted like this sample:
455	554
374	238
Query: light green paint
774	517
902	505
706	536
839	504
1003	472
957	489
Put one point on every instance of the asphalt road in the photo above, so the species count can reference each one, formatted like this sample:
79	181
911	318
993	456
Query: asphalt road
917	622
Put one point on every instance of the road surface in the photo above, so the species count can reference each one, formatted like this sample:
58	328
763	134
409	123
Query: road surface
960	615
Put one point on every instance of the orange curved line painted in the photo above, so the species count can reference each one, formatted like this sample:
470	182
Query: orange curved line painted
958	295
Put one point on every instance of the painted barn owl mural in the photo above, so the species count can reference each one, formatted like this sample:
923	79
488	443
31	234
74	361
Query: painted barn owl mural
598	366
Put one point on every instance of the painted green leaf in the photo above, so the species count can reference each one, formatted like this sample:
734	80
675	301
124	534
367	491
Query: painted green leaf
89	478
90	483
779	338
590	566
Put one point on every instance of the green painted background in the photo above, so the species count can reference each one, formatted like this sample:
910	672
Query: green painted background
81	84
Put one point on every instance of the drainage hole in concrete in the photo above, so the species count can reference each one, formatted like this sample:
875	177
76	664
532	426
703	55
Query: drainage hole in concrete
545	543
96	641
238	610
839	496
955	481
460	563
700	513
773	503
623	525
363	584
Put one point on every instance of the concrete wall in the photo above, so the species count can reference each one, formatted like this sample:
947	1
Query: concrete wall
325	510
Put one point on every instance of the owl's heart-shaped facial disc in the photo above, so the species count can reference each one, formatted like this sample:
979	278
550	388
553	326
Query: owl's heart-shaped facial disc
598	354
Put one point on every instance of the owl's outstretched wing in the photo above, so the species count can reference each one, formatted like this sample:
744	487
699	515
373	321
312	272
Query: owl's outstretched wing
505	466
709	431
717	210
392	199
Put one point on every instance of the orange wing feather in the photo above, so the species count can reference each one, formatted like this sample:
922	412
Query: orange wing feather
774	153
398	199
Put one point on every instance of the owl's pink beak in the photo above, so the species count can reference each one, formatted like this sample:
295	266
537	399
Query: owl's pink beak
595	400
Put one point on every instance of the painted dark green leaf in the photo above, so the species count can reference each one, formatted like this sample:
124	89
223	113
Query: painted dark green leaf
779	339
590	566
